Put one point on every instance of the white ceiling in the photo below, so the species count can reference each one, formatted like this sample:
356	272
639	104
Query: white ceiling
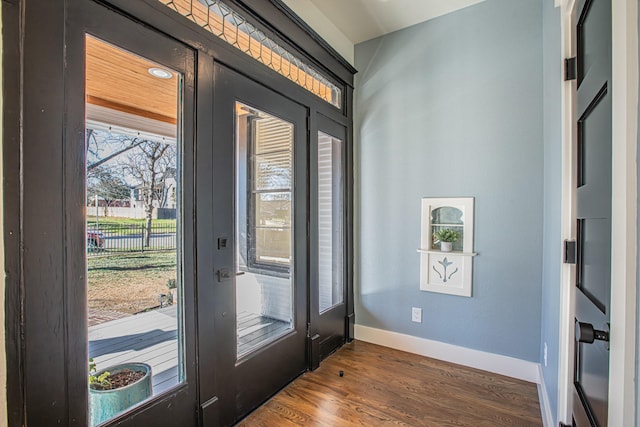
362	20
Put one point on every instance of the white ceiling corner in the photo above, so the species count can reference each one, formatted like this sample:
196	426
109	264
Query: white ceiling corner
362	20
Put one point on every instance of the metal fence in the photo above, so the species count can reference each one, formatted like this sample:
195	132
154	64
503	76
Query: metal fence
111	238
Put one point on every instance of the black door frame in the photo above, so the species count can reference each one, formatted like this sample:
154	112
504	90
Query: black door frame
53	358
34	40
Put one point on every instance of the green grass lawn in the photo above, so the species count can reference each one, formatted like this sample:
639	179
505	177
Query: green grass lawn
113	266
129	282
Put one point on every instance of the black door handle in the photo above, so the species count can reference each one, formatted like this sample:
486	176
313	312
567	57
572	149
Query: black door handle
587	334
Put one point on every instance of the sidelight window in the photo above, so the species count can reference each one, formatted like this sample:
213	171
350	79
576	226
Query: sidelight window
330	223
134	258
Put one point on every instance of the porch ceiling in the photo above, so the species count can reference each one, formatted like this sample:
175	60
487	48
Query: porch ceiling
120	81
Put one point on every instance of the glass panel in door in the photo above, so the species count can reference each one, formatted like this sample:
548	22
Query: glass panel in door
330	223
133	229
264	230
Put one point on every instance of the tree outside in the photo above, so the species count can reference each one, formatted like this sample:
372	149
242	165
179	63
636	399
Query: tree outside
118	164
126	171
153	166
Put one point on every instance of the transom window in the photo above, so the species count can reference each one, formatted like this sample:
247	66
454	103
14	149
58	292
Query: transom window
223	22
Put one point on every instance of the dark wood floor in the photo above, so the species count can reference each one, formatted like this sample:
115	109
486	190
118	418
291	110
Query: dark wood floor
382	386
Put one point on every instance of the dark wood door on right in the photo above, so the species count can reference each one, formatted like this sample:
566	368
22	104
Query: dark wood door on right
328	302
593	275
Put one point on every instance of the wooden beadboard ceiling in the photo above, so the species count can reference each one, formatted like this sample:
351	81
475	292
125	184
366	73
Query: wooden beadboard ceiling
120	80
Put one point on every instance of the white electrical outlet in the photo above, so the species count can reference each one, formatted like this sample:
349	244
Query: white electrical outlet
545	354
416	314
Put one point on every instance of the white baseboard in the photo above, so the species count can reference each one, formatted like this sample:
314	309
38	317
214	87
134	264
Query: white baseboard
543	397
496	363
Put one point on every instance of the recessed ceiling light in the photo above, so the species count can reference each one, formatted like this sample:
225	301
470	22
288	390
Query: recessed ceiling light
160	73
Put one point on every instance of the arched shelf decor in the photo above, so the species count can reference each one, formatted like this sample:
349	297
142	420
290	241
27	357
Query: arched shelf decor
446	267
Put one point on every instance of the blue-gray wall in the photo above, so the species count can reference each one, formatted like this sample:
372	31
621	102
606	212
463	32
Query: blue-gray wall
453	107
552	215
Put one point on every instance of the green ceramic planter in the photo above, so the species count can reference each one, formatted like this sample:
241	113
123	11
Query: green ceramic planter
105	404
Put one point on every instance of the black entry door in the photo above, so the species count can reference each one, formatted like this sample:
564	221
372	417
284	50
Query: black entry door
260	216
593	283
328	230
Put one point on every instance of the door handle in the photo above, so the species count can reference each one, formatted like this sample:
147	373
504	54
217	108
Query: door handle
223	274
587	334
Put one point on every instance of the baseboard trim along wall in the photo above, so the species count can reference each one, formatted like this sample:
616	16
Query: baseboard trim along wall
496	363
543	397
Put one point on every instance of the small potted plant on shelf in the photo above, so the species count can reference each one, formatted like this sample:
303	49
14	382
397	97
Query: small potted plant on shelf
115	389
446	236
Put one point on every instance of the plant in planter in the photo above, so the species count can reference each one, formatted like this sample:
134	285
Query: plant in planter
116	389
446	236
